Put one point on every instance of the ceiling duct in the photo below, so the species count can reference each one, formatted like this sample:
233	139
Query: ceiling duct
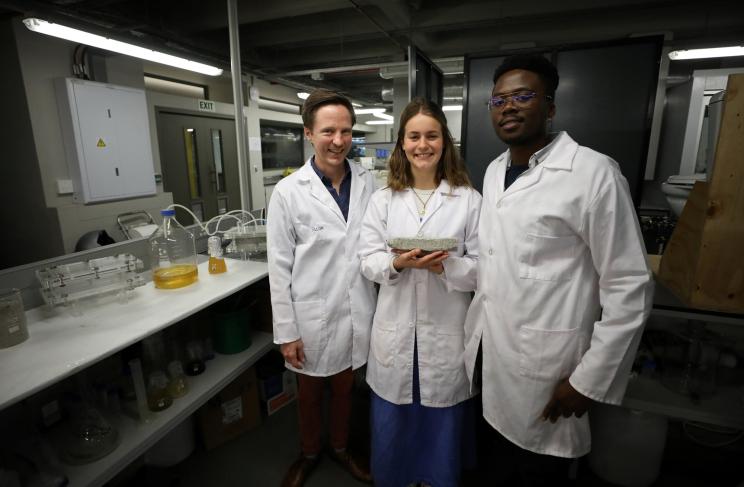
387	93
278	106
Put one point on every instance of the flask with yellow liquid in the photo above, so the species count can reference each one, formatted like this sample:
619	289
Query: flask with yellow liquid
172	254
216	260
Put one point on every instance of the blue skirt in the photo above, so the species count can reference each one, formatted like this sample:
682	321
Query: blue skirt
413	443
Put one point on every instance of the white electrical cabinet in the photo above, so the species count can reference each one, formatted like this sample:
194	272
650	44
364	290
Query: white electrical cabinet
107	140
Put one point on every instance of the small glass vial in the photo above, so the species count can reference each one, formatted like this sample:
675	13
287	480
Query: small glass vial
216	260
158	397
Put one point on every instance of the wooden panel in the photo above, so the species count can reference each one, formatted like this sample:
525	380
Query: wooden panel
680	261
721	265
703	263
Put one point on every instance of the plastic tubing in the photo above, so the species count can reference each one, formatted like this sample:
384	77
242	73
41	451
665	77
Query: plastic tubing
204	227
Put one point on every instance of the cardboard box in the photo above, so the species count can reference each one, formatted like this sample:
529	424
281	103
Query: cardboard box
277	391
231	412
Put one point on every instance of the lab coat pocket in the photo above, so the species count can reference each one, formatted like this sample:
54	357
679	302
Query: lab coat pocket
450	347
382	342
547	257
549	354
311	232
311	321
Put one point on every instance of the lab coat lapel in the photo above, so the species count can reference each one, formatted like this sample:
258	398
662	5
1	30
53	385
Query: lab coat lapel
410	201
440	194
525	181
320	192
358	185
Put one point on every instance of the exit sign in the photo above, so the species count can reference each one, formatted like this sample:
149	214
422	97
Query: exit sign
206	106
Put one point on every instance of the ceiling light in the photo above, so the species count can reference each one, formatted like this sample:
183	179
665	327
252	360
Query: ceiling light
707	53
383	116
356	105
379	122
302	95
82	37
451	108
368	111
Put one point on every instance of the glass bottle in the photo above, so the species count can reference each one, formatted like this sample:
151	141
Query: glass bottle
13	328
172	254
158	397
195	358
177	385
216	260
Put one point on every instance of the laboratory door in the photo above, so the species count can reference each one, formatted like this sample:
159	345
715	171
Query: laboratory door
199	161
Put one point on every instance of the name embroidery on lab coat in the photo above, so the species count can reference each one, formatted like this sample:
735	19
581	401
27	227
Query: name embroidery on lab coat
316	228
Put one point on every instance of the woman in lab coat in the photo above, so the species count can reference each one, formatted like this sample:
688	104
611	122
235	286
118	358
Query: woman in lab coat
415	367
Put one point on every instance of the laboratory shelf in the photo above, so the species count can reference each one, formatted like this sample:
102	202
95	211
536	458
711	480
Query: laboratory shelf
137	437
65	341
724	408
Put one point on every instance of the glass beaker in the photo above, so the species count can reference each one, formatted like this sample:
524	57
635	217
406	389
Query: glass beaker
13	328
88	435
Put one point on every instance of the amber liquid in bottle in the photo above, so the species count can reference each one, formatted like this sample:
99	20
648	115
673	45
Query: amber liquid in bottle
217	265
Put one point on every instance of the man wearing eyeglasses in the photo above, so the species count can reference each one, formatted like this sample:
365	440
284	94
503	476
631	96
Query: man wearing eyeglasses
564	288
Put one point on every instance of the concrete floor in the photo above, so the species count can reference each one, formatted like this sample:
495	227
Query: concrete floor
261	457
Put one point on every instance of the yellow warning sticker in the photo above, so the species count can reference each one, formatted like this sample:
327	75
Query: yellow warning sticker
101	143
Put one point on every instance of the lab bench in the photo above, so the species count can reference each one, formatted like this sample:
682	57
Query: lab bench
724	408
62	344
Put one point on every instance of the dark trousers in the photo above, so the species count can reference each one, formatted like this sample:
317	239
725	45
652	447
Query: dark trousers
530	469
309	405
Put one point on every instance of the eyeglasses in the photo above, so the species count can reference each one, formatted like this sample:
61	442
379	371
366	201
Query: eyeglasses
519	98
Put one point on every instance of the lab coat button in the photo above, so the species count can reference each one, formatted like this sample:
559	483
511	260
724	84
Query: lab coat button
490	251
420	234
498	205
410	324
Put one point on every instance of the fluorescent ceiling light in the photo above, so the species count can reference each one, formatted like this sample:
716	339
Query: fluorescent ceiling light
383	116
356	105
368	111
707	53
302	95
379	122
79	36
451	108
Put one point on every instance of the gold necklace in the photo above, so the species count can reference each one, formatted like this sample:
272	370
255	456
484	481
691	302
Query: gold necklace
422	211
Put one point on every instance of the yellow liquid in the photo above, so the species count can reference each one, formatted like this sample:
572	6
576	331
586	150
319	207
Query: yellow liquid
175	276
217	265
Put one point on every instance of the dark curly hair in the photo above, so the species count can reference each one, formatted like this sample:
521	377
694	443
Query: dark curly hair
537	63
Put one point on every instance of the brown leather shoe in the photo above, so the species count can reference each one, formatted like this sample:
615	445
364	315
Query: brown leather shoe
358	468
299	471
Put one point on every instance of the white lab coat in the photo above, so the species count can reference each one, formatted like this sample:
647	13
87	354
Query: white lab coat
417	303
557	249
317	291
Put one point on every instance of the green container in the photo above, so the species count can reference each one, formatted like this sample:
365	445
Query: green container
232	331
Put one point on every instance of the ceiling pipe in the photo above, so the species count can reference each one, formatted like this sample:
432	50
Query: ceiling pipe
237	89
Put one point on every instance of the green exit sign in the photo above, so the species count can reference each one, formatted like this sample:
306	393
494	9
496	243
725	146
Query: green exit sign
206	106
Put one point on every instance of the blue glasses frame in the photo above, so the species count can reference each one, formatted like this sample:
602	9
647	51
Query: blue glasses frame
519	98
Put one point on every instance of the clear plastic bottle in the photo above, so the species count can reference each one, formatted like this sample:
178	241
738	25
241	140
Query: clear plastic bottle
216	260
172	254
